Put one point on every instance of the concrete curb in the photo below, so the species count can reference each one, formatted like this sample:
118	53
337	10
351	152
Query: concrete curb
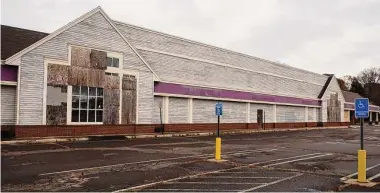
144	136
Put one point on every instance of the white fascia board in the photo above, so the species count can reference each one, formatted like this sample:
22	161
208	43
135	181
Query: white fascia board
52	35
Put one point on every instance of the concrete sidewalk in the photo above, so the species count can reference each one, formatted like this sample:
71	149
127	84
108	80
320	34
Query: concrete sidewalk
142	136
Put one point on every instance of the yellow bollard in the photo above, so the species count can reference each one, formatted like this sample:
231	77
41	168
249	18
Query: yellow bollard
362	177
218	148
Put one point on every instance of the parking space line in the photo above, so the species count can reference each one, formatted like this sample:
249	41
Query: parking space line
240	153
205	173
171	144
282	137
149	161
286	158
374	177
229	183
252	151
351	175
237	172
272	183
240	177
290	161
188	190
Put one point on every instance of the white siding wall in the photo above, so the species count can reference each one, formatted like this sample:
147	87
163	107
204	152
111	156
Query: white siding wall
319	118
268	109
178	110
8	105
158	41
204	111
94	32
233	112
333	87
176	69
311	113
31	89
290	114
145	97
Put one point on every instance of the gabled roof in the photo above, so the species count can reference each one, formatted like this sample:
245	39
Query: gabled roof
165	53
15	39
350	96
325	86
69	25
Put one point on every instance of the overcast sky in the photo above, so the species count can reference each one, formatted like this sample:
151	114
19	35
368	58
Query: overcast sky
325	36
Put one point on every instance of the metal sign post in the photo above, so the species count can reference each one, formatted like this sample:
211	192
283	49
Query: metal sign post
217	133
362	111
218	141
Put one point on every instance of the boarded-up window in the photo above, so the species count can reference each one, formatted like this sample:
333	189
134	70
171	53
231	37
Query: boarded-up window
57	74
129	88
56	105
333	108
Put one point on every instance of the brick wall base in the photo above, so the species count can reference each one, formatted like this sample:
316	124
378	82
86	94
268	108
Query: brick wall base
92	130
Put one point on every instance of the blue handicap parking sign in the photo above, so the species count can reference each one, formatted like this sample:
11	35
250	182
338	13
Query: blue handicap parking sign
219	108
361	108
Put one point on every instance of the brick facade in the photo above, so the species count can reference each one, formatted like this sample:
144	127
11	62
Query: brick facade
93	130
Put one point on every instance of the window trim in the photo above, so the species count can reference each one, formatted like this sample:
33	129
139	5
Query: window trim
88	104
119	69
47	61
67	62
69	109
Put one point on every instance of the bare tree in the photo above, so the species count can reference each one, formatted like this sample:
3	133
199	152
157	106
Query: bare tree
369	75
348	81
342	84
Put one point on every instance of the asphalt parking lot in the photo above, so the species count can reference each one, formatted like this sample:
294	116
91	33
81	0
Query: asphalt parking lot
313	160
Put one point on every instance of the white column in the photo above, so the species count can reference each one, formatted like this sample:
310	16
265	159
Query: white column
274	113
342	111
248	110
121	96
377	117
370	116
306	114
190	110
323	111
165	108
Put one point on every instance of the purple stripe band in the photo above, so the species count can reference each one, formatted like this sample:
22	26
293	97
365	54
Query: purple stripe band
352	107
169	88
9	73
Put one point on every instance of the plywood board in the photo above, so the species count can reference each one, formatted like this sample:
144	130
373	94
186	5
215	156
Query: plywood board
56	115
56	105
98	60
80	56
111	97
96	78
57	74
111	114
112	82
128	111
129	82
111	106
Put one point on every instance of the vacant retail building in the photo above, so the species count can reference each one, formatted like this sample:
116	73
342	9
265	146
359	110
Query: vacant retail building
349	109
109	75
